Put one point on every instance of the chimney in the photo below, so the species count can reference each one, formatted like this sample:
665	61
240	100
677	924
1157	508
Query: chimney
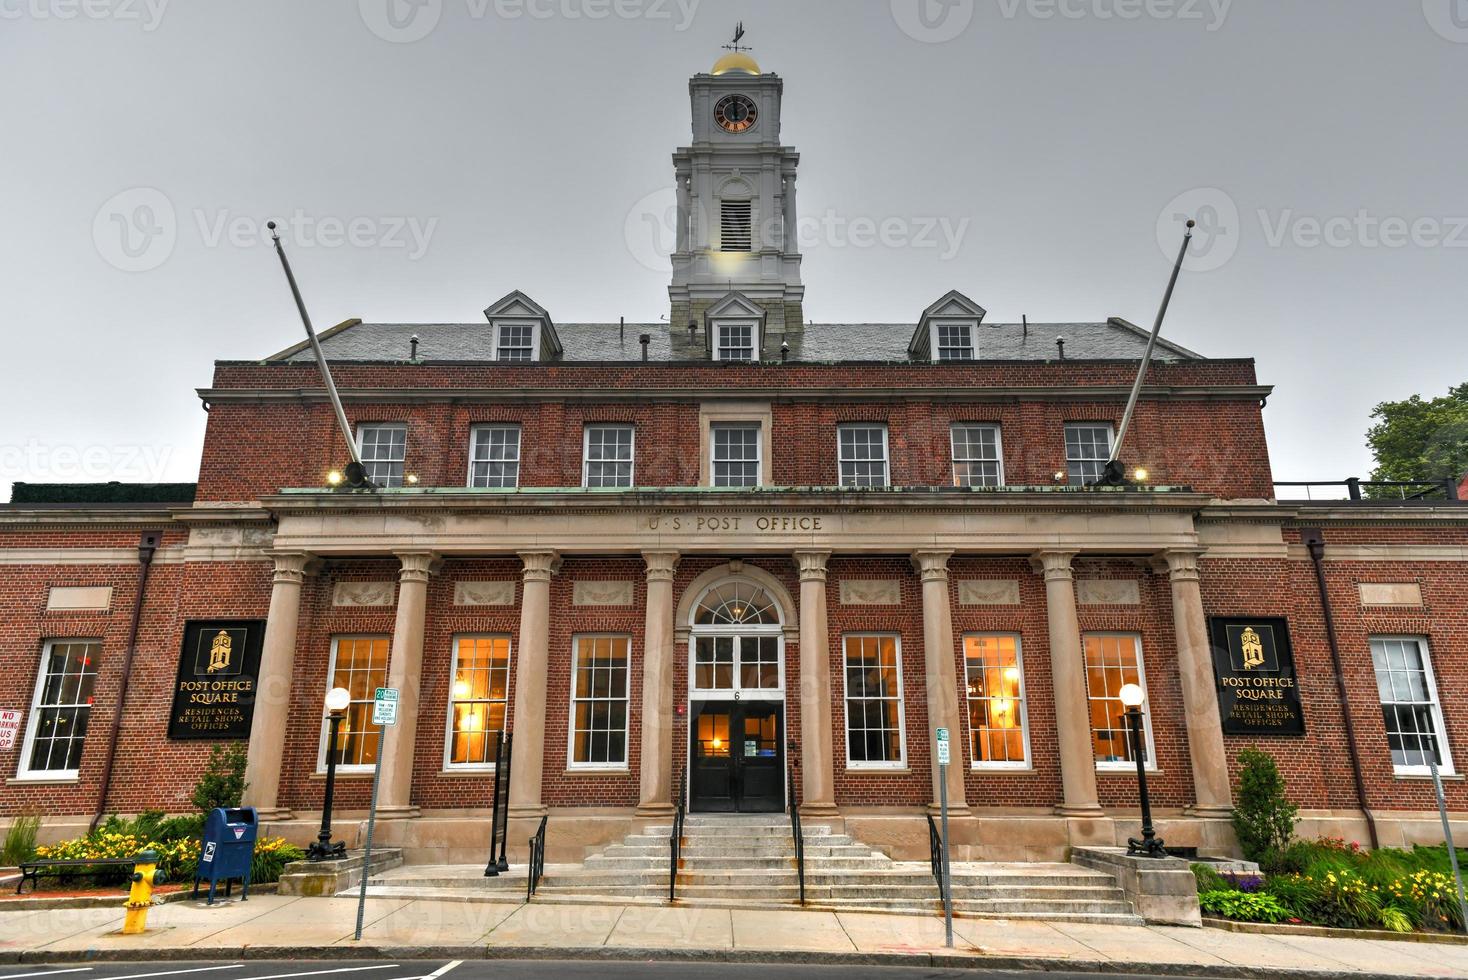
644	340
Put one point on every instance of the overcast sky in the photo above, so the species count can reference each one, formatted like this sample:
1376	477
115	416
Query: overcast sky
428	156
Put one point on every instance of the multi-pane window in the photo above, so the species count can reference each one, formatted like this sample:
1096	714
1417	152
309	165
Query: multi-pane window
1112	661
873	701
862	455
735	458
1087	448
736	225
955	341
608	456
478	695
516	342
996	700
977	460
753	660
61	709
494	456
599	701
383	449
735	342
1409	704
359	664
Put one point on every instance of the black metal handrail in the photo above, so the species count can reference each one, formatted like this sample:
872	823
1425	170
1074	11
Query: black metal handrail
1421	489
537	861
935	853
795	833
675	839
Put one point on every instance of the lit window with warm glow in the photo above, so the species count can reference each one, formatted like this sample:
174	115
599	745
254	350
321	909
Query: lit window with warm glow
61	708
478	694
599	702
874	727
1114	660
358	664
998	737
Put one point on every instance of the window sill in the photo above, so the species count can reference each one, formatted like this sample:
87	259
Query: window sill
343	774
1125	770
460	771
597	771
877	770
46	780
1025	770
1426	777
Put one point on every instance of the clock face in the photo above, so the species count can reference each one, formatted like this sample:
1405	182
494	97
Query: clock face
735	113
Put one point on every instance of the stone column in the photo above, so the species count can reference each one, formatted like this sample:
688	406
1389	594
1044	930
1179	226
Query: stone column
528	749
941	679
685	205
1067	673
273	688
817	762
792	222
659	654
405	672
1212	794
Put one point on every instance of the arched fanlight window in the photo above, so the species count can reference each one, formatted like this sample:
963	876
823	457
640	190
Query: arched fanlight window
736	604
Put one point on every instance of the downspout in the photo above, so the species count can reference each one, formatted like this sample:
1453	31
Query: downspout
1315	543
147	546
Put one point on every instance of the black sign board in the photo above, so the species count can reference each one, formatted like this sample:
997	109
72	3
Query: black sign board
217	672
1255	668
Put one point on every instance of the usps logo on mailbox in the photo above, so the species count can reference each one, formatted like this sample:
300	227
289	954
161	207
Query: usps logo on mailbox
239	832
208	852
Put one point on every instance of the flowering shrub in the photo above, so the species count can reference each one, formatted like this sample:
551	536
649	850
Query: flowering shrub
1243	906
178	858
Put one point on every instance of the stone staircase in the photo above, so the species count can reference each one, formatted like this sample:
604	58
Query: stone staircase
749	860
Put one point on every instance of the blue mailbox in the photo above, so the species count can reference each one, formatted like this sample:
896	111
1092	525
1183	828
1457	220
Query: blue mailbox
227	850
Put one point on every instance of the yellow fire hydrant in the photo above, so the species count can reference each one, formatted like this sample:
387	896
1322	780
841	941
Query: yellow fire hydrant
146	874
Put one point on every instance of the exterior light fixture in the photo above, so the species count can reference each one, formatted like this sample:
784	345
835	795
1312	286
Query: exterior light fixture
412	479
1150	845
334	478
338	699
1140	474
1060	476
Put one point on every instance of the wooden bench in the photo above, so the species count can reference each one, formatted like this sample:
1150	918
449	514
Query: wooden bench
38	868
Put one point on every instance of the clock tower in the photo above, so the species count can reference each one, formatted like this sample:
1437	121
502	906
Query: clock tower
736	199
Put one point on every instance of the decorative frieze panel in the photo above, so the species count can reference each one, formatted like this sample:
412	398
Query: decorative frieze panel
67	597
484	593
364	593
1390	593
1108	592
988	592
602	593
870	592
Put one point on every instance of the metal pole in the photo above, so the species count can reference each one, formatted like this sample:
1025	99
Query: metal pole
1131	404
323	850
1442	810
367	851
947	877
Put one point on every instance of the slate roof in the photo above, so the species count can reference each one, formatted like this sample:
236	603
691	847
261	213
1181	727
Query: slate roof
814	342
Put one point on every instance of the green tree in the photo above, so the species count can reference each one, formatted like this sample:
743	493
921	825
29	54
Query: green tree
1420	439
1264	819
223	781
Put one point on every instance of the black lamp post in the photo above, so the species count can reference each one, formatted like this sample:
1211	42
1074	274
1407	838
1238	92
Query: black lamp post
323	849
1150	845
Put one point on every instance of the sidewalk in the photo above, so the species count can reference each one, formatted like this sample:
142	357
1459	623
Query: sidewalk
306	928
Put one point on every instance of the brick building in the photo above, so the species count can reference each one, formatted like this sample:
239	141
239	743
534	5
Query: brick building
709	558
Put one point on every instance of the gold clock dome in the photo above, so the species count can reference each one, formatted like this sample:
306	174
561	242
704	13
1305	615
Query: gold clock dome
736	63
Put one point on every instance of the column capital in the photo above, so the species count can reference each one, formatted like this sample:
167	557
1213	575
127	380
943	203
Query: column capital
291	567
1181	564
661	565
932	566
811	565
417	566
540	565
1054	565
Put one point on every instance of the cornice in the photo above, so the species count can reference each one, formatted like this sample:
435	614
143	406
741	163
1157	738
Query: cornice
87	514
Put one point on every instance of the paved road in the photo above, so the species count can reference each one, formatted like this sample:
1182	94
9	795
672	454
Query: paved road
502	970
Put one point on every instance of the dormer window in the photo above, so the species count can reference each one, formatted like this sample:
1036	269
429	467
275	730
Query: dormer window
734	342
515	342
953	341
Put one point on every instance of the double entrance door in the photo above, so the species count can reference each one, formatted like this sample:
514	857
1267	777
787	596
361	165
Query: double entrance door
737	762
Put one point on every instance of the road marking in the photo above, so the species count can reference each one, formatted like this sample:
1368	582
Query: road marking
314	973
46	973
443	969
171	973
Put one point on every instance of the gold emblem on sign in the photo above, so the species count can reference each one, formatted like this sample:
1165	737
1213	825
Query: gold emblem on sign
1252	648
220	651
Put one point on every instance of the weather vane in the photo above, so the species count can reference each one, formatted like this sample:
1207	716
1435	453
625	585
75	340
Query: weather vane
734	45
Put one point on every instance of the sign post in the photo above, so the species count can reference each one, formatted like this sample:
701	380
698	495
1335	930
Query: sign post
384	713
947	883
1442	809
